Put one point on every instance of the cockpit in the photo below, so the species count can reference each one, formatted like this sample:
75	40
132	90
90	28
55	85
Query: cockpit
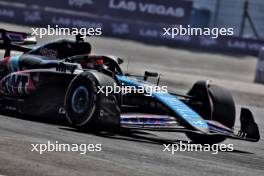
110	63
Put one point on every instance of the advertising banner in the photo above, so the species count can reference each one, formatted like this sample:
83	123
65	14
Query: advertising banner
156	11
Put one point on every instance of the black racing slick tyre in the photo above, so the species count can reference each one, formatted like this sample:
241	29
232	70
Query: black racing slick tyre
223	111
87	108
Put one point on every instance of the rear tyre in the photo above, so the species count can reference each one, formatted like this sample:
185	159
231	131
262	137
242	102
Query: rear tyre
223	110
88	109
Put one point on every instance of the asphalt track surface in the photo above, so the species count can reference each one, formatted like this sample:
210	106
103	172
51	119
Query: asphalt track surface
140	153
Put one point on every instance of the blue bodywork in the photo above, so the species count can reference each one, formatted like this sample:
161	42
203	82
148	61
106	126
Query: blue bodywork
180	109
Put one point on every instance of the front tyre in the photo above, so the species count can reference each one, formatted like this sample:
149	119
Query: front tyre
218	105
88	109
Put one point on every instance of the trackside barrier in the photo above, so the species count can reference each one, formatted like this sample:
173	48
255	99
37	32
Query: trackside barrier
150	33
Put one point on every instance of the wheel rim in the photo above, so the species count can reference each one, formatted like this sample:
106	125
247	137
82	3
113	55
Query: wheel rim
80	100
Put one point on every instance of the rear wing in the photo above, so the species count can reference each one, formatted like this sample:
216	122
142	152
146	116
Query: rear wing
12	40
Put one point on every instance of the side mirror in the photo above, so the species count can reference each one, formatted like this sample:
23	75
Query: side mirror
120	61
150	74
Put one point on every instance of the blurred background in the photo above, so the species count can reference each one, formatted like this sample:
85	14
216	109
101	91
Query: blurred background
143	20
231	13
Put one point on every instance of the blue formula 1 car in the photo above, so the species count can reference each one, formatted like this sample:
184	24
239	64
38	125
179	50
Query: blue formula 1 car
63	78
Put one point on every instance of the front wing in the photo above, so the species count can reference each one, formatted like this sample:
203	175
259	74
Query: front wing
248	131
